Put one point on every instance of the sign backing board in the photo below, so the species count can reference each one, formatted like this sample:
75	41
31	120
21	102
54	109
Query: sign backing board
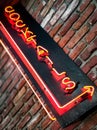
40	74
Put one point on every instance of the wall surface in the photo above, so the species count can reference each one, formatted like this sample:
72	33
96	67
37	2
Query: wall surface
73	25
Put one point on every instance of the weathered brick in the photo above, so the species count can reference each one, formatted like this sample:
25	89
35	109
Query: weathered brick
29	4
5	67
14	121
17	107
7	110
70	9
92	34
68	24
84	16
11	97
24	121
45	123
66	38
3	98
57	4
77	50
55	126
47	27
27	95
58	14
87	124
20	84
93	18
1	48
89	50
66	50
90	64
19	94
34	121
26	107
5	122
5	58
47	18
83	5
38	5
93	74
79	34
55	28
47	7
6	84
36	107
14	82
56	38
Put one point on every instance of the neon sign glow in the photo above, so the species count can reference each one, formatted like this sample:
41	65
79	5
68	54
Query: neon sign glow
67	85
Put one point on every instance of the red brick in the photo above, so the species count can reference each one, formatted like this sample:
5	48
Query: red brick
84	16
57	4
88	123
92	34
14	121
84	4
77	50
72	126
68	24
66	38
56	38
66	50
5	122
47	27
14	82
4	60
55	29
27	95
7	110
92	75
55	126
39	6
17	107
26	107
8	72
58	14
11	97
47	8
89	51
45	123
1	49
6	84
93	18
20	84
24	121
79	35
90	64
19	95
36	107
34	121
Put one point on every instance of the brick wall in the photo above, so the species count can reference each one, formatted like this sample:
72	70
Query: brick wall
73	25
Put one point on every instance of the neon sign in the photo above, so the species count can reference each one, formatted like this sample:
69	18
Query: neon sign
43	56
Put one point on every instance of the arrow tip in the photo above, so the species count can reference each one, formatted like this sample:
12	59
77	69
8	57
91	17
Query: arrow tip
89	90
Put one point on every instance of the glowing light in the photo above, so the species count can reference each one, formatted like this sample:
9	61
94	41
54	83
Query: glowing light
9	9
27	81
61	109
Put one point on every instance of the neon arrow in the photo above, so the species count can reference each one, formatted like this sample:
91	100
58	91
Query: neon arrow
87	93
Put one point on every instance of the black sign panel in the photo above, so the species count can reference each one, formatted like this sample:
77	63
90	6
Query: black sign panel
67	107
